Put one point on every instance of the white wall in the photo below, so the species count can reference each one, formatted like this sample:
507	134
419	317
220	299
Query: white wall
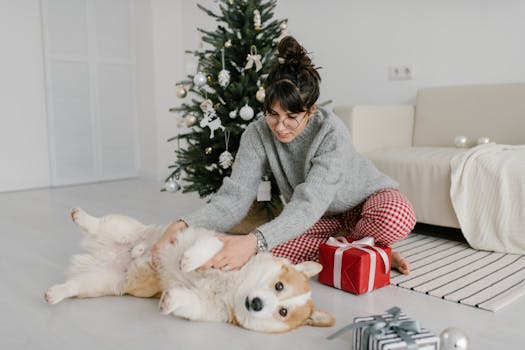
168	54
448	42
24	156
147	123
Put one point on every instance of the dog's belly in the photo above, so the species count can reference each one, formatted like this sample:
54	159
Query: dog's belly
141	279
120	258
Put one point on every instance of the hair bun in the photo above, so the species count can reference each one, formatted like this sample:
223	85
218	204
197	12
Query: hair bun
292	53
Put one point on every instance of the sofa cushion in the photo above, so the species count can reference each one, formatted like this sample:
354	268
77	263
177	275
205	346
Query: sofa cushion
423	174
495	111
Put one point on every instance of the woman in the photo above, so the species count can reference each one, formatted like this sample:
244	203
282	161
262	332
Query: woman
330	189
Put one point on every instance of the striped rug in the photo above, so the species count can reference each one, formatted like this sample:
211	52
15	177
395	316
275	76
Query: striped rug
453	271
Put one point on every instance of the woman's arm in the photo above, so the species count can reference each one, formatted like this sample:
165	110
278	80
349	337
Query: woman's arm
233	200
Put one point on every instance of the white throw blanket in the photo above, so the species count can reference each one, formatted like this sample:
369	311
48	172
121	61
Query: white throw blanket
488	195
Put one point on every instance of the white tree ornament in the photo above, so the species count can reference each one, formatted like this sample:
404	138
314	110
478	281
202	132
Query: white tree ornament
224	75
253	59
246	112
226	158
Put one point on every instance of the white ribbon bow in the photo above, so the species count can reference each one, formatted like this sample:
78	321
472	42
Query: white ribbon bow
253	59
363	244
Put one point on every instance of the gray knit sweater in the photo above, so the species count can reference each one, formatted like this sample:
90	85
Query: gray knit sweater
318	173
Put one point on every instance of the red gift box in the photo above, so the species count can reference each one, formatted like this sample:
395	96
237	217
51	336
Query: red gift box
355	266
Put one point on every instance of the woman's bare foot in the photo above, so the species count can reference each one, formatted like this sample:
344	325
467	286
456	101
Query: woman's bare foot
400	263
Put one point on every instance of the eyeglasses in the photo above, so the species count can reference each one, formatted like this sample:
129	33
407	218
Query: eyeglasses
288	122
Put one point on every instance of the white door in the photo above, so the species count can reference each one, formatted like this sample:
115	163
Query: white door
89	62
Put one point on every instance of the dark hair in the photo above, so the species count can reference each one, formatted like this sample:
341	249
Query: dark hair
293	80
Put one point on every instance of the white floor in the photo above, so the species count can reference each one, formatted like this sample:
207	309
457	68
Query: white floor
37	239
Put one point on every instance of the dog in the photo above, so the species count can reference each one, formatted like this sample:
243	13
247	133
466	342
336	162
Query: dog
267	294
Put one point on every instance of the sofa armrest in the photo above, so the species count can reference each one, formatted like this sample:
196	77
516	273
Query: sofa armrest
376	127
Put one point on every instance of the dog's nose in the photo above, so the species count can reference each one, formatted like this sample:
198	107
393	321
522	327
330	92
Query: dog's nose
256	304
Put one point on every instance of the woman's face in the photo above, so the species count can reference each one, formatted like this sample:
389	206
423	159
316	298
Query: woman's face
285	125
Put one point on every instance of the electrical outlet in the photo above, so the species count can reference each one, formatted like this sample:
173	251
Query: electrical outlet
401	72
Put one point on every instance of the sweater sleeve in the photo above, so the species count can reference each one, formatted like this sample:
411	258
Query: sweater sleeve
310	199
233	200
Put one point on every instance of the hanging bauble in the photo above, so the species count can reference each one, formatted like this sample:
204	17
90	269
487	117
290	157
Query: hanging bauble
453	339
283	25
181	91
191	120
224	78
208	150
199	79
233	114
256	19
225	160
461	141
228	43
246	112
260	94
224	75
172	185
483	140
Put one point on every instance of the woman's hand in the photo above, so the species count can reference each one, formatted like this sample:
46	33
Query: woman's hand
169	237
236	252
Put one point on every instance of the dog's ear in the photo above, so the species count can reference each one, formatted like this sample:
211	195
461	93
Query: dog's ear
309	268
320	318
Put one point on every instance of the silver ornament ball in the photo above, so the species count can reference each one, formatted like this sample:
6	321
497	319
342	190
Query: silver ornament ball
461	141
483	140
199	79
172	186
181	91
260	95
233	114
246	112
191	120
283	25
453	339
228	44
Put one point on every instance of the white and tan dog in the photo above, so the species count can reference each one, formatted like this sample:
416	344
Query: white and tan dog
267	294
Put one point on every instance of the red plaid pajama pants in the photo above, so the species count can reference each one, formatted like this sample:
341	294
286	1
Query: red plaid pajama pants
386	215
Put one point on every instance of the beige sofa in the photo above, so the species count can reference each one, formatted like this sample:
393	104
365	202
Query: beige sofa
415	144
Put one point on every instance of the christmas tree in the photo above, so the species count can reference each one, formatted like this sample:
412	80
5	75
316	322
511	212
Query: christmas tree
226	93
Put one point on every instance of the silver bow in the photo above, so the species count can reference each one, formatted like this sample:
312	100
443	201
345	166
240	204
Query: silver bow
379	326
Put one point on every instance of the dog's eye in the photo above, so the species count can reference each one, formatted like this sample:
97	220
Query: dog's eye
279	286
283	312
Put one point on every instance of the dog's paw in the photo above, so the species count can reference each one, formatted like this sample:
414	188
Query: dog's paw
80	217
54	294
200	252
189	262
166	303
180	302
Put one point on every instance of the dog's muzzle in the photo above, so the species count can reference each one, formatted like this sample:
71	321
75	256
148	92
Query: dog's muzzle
256	304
